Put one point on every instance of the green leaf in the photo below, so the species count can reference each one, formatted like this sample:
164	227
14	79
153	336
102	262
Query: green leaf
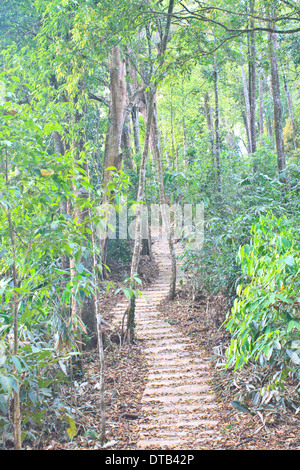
240	407
284	298
63	367
79	267
90	433
286	243
72	430
8	383
293	356
239	289
127	293
138	280
289	260
293	324
110	285
46	392
17	363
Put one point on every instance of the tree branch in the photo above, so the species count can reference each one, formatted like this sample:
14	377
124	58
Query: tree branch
199	16
99	98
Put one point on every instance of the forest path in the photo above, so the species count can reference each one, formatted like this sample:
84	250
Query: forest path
177	401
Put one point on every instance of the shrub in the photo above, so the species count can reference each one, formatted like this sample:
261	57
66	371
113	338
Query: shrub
264	320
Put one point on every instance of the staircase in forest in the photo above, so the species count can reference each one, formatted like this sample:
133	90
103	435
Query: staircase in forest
177	399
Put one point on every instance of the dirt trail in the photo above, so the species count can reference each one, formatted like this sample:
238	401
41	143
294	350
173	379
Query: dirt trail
177	400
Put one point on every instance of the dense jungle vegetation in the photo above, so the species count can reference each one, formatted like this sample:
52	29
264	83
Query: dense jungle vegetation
111	104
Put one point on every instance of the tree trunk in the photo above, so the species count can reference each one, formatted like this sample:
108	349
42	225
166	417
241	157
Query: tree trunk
131	79
136	129
248	147
261	106
144	110
118	95
59	148
252	85
184	133
121	106
291	111
112	154
247	104
126	134
184	137
210	126
166	223
269	126
126	145
277	107
142	179
217	135
172	130
130	312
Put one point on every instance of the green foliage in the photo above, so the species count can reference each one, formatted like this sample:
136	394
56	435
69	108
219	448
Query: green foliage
265	319
55	79
35	234
245	197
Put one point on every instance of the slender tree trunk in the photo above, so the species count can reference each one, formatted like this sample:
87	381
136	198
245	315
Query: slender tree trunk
131	79
290	106
247	104
248	148
130	312
269	126
217	135
172	128
144	111
59	148
166	223
252	85
277	107
261	106
86	310
210	126
142	176
136	129
184	137
121	106
184	133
